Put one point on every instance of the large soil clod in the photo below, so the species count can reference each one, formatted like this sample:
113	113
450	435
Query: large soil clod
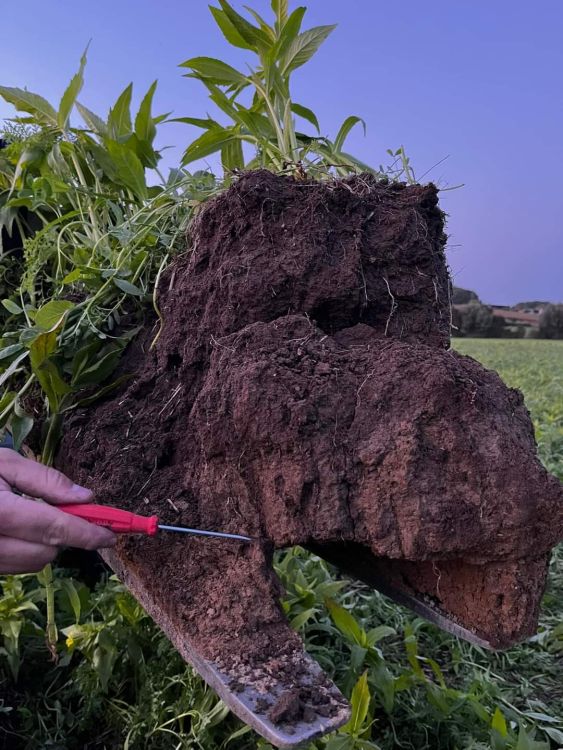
301	390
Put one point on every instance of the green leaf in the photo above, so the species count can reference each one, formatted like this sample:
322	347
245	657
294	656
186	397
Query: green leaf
119	118
74	599
104	160
359	700
83	357
25	101
280	8
46	371
526	741
99	371
253	36
21	425
257	125
103	661
129	169
345	128
92	121
266	28
11	307
12	369
71	93
9	351
199	122
554	734
28	157
145	128
50	316
52	383
232	156
346	623
42	347
377	634
207	143
289	32
302	618
306	114
74	275
128	288
357	657
103	391
218	71
304	47
229	31
144	150
498	723
7	401
224	102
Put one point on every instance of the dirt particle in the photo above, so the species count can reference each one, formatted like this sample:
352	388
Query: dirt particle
288	707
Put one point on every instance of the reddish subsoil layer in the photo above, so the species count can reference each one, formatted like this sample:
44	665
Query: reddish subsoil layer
300	390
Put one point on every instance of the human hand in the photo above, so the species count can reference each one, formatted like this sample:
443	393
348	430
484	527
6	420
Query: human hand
31	532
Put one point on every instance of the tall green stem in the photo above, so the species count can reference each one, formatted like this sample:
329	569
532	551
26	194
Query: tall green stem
46	575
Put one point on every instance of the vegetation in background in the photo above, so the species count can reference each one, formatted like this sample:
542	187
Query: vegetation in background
470	317
551	322
476	320
463	296
120	684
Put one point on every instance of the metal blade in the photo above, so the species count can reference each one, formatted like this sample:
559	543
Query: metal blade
429	611
201	532
242	690
359	562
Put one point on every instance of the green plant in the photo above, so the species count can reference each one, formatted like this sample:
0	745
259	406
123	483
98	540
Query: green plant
551	322
15	605
259	105
104	236
90	262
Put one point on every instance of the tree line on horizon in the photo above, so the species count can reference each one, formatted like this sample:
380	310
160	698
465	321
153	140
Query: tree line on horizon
473	319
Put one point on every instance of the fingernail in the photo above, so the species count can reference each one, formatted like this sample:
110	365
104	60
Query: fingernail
81	492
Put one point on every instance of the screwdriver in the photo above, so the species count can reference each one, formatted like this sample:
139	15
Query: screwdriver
125	522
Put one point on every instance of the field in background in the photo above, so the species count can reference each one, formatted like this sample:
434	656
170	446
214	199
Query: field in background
119	684
536	368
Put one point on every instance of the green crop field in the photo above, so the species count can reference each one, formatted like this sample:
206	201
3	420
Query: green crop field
119	684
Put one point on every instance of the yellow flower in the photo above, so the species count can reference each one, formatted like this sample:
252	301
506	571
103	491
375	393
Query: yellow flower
70	642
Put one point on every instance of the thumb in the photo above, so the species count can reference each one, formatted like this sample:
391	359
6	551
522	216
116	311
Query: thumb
38	480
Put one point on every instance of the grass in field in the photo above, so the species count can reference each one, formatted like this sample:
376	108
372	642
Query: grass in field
120	680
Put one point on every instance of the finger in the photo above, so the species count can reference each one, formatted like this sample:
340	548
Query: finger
44	524
39	480
19	556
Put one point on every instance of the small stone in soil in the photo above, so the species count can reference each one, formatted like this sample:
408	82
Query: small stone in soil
286	708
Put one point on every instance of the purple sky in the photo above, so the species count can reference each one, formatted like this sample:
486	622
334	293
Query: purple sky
479	82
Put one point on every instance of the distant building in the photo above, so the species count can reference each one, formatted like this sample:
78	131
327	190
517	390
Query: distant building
520	318
475	319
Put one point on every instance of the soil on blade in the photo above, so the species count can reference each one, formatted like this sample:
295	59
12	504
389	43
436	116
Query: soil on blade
301	391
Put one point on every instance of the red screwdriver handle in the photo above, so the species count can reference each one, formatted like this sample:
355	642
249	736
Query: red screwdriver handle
120	521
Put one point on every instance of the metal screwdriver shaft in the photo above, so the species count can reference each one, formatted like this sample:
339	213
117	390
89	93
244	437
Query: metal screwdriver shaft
201	532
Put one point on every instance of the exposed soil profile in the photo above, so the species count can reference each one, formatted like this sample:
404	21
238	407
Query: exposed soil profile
302	391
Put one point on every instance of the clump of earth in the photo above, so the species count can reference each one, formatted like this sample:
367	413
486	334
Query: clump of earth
302	391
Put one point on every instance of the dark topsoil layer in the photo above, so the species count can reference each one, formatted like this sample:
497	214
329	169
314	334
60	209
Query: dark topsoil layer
301	390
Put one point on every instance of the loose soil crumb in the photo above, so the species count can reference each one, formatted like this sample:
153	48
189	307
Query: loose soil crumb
301	390
288	707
